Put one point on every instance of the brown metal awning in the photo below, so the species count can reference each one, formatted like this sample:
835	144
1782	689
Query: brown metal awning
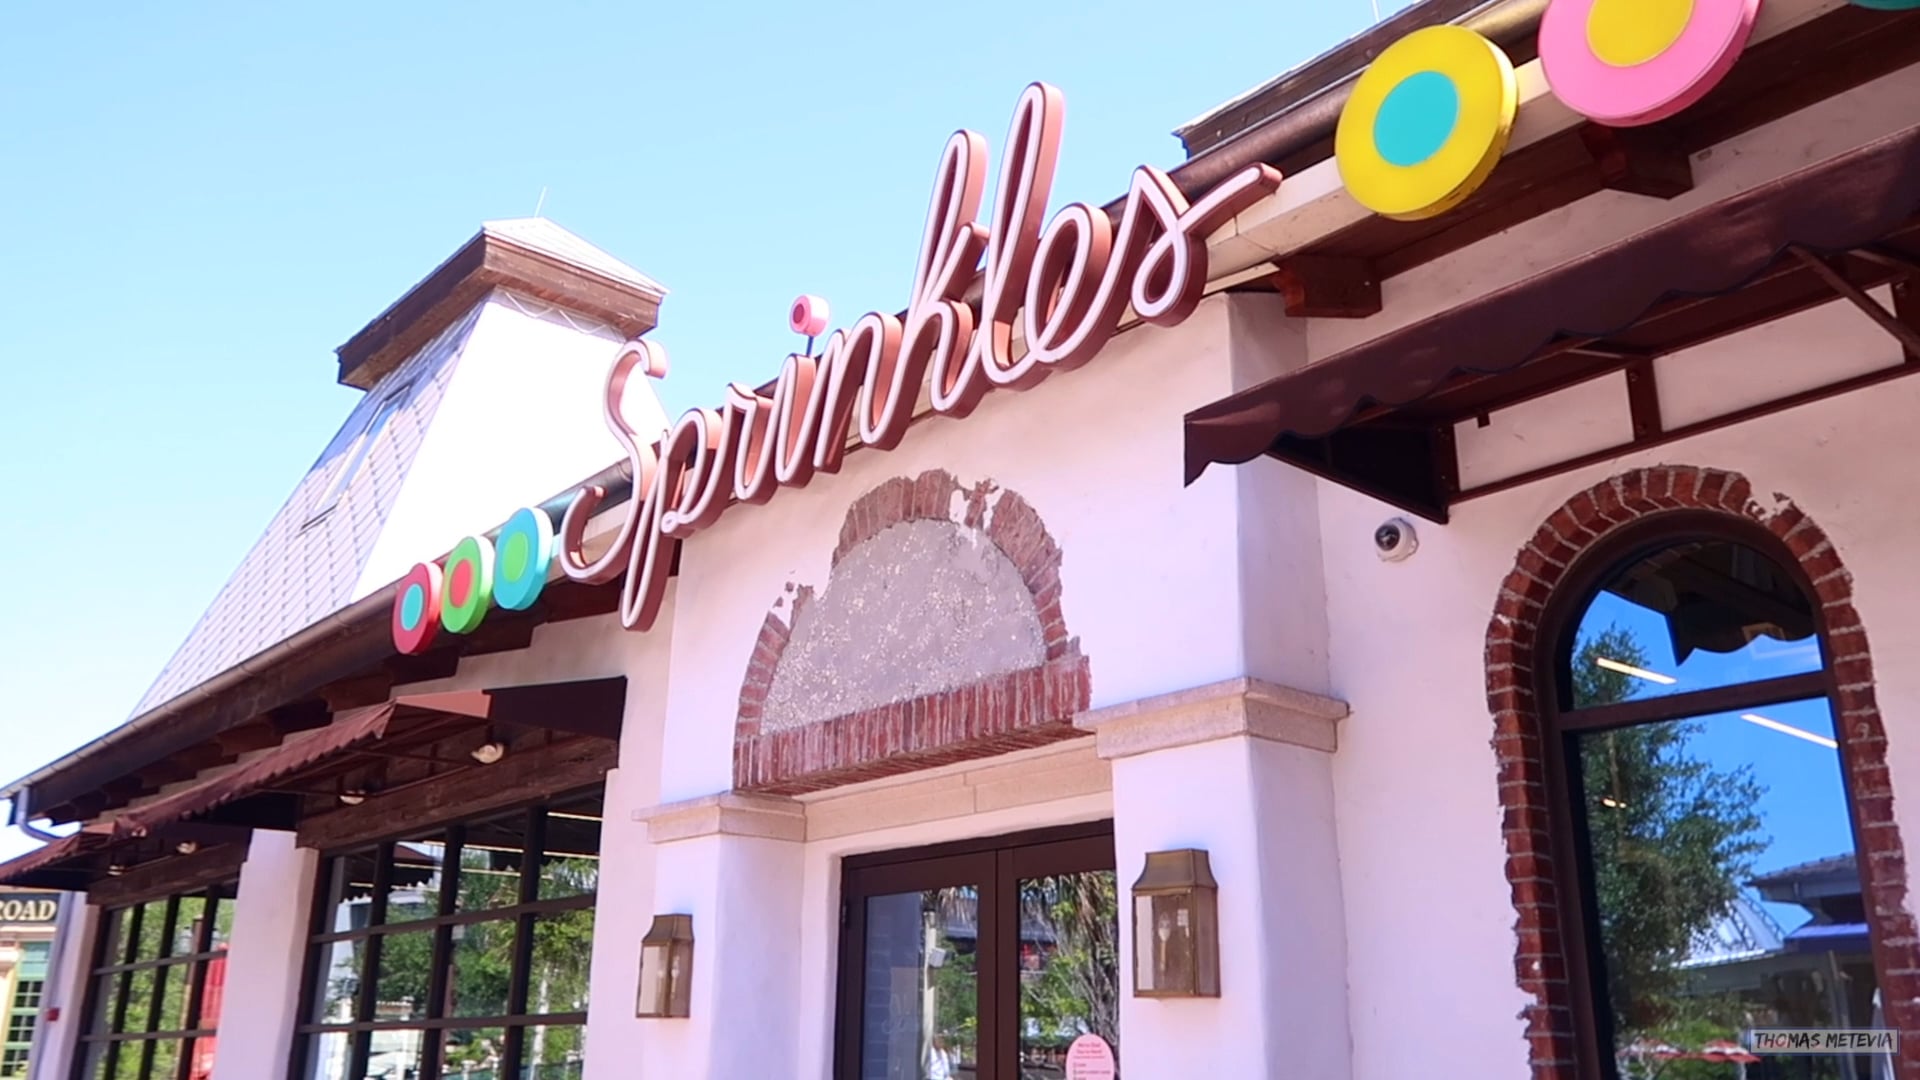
1379	417
349	729
41	866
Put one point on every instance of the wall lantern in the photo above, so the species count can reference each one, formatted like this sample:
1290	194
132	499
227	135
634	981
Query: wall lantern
1176	927
666	967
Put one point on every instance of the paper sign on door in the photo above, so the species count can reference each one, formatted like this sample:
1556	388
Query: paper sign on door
1090	1058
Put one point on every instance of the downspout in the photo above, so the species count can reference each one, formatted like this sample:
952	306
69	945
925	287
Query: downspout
22	816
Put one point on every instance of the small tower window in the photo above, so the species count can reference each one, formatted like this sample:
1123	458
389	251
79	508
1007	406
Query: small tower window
356	455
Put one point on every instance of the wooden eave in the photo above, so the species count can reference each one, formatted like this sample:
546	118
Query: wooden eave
358	668
489	261
1829	55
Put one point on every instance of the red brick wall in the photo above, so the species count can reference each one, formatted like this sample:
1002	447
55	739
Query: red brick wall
1004	712
1539	962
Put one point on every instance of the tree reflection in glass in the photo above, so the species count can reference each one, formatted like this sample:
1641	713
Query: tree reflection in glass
1720	863
1069	967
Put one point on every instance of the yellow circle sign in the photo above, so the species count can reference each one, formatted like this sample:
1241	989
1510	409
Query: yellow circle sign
1627	33
1426	123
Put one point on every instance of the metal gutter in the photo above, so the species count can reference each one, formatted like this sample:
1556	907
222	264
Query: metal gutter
1510	24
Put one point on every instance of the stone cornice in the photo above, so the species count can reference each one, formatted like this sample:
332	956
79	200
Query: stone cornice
1232	708
730	814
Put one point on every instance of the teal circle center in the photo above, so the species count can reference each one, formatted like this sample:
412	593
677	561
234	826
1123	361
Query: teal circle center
1416	118
514	554
413	602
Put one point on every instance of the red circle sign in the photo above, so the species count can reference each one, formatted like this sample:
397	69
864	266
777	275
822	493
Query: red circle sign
1090	1058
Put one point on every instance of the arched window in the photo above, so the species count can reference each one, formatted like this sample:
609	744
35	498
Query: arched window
1704	840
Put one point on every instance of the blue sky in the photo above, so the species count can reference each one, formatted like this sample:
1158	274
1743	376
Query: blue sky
204	200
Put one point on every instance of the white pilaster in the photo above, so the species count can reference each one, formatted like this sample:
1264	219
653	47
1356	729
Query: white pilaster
1242	770
734	863
57	1039
265	958
614	1036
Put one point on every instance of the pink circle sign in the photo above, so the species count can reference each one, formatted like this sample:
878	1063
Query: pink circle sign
1712	34
808	315
1090	1058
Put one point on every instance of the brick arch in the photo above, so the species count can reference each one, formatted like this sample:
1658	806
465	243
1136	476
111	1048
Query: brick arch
1512	643
1015	710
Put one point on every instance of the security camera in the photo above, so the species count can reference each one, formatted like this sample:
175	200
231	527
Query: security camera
1394	540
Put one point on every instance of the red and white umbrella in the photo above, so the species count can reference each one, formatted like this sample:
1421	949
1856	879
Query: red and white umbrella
1723	1050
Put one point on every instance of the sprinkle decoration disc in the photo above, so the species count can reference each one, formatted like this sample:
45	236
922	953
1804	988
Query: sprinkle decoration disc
522	553
1426	123
468	591
1632	62
416	609
1888	5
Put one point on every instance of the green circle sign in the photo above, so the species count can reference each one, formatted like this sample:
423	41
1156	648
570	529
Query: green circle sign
468	588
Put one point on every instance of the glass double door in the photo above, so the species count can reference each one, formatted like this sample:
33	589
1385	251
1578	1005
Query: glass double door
979	961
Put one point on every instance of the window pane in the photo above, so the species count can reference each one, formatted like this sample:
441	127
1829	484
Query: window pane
222	923
96	1055
562	954
166	1060
20	1027
571	863
327	1055
336	973
115	933
1691	617
213	994
920	964
105	990
474	1052
490	861
173	997
1725	883
186	925
482	969
349	900
553	1053
395	1055
153	931
1069	966
406	962
139	1000
413	882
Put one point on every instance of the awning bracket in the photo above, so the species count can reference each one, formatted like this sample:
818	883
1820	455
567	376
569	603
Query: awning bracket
1906	333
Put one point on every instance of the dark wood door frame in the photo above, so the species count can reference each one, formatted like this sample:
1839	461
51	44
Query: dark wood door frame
995	866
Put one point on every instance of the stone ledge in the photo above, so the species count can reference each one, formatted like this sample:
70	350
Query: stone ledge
730	814
1234	707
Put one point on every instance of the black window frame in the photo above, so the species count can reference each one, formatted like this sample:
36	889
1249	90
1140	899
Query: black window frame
996	865
518	1023
1562	724
121	928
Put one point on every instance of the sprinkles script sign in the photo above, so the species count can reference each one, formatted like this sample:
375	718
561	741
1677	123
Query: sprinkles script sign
1423	128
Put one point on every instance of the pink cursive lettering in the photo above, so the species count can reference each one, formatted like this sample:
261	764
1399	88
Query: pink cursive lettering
1066	285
